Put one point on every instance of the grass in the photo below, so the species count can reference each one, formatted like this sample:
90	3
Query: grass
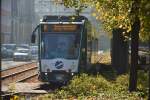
91	87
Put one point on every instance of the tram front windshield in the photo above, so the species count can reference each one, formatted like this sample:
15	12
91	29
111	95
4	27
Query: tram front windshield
59	46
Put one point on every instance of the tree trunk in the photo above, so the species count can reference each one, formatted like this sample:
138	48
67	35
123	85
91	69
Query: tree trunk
149	72
149	85
134	54
135	28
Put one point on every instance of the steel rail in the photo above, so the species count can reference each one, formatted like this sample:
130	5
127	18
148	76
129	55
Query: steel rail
27	78
13	67
9	75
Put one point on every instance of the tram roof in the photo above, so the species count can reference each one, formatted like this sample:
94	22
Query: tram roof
62	22
48	18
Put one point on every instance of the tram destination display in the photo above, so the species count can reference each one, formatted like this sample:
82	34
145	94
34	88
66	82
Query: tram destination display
60	28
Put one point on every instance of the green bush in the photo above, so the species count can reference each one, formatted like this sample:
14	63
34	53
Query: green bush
95	87
87	85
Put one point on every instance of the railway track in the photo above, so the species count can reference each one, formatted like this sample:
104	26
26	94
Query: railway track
21	81
21	73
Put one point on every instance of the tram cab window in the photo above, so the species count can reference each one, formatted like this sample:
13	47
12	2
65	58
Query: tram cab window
59	46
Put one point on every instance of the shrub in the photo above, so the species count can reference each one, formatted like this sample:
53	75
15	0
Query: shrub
95	87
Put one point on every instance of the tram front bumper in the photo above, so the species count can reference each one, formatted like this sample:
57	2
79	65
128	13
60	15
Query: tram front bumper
56	76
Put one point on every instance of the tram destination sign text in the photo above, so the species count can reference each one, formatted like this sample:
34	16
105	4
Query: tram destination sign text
63	27
60	28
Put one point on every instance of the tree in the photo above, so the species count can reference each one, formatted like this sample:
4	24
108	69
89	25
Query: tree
135	29
130	15
78	5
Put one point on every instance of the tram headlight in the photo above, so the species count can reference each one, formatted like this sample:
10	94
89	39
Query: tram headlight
45	73
72	74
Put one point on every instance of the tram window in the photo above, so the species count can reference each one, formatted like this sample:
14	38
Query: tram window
77	40
45	28
59	46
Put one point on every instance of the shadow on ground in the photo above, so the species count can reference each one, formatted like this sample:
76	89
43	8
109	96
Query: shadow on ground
107	71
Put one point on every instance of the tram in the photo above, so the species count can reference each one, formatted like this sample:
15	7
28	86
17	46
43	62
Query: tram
62	42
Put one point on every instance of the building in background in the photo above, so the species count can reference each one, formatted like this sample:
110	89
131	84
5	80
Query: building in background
6	21
17	20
